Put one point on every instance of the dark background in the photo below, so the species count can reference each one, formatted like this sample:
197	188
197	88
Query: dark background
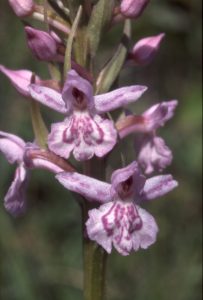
40	253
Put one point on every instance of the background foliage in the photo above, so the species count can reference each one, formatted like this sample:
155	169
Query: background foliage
40	253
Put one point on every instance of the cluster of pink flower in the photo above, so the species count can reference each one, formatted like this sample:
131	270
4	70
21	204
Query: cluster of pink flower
87	131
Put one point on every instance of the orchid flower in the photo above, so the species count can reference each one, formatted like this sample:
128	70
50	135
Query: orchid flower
17	151
152	152
120	221
83	132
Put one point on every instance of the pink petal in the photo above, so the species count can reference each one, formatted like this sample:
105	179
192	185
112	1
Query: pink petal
12	147
158	186
118	98
153	154
56	141
20	79
95	227
48	97
14	200
146	236
88	187
75	81
122	224
157	115
123	186
84	135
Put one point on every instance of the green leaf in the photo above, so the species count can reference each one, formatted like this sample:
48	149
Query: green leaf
69	46
73	7
100	16
112	69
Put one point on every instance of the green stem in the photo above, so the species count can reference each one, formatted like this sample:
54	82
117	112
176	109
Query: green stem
95	258
38	125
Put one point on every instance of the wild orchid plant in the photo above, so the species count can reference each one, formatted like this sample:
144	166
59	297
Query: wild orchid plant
112	213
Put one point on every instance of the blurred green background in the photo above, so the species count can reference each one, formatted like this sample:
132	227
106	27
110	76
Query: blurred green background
40	253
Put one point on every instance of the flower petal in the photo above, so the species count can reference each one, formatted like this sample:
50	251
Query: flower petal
12	147
146	236
14	200
88	187
153	154
75	81
158	186
118	98
157	115
123	186
56	141
95	228
48	97
84	135
20	79
122	224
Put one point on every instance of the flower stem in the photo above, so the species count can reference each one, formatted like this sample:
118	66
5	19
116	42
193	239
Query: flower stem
95	259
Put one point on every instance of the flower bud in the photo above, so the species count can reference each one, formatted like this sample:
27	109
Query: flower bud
133	8
22	8
42	44
145	49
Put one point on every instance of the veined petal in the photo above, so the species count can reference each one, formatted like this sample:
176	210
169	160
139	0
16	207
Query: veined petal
12	147
56	139
122	224
158	186
88	187
48	97
84	135
14	200
118	98
109	136
146	236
